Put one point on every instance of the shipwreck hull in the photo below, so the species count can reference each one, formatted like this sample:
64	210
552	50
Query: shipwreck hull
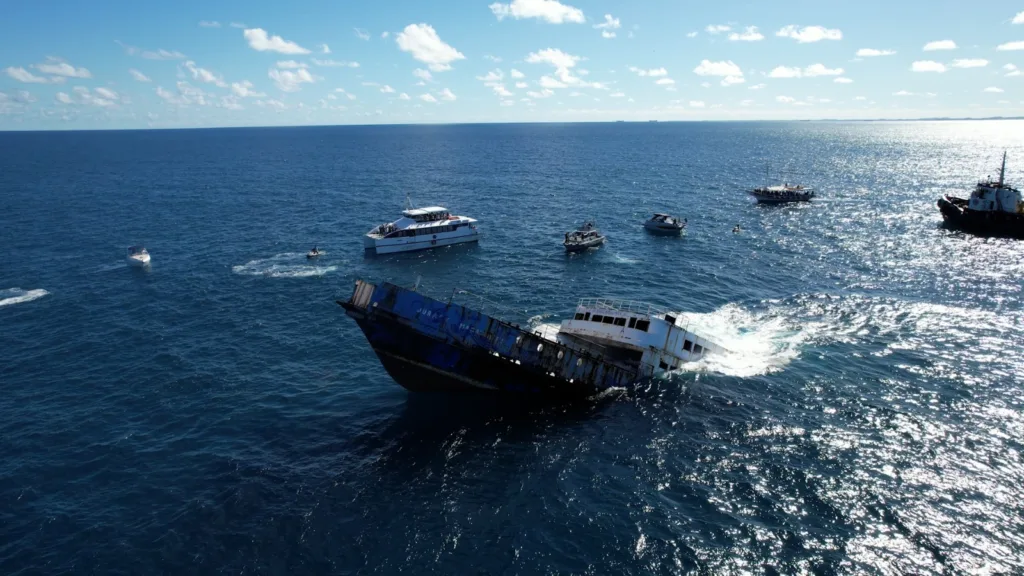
429	345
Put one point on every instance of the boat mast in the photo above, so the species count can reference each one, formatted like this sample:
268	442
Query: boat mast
1002	171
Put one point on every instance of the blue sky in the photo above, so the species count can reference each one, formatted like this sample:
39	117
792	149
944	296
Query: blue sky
120	64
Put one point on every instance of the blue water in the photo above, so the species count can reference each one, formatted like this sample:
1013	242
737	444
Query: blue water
218	413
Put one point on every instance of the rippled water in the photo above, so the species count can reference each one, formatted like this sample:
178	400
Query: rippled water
217	412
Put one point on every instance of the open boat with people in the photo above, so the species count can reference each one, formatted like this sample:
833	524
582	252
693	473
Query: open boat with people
427	344
421	229
137	256
781	193
583	238
665	224
994	208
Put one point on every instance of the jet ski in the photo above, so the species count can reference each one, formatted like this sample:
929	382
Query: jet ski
314	253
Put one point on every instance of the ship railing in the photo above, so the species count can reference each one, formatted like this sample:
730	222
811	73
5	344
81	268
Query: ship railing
620	305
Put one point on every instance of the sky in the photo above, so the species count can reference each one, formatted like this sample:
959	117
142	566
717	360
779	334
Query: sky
119	64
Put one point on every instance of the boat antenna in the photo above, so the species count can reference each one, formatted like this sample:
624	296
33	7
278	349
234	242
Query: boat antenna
408	201
1002	171
416	286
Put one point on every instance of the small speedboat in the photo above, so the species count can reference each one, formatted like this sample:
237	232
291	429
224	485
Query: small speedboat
314	253
665	224
583	238
138	256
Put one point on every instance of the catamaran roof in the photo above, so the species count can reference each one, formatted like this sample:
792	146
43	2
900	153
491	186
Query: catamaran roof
424	211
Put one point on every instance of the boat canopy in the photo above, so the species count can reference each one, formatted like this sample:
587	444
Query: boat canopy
136	249
420	212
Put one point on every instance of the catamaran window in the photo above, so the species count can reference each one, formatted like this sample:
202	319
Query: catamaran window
632	322
697	349
608	320
687	345
579	316
643	325
670	319
620	321
586	316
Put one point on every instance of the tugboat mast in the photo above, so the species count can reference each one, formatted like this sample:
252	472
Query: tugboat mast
1002	171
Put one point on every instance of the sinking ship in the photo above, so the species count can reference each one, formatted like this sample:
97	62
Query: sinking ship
433	345
994	209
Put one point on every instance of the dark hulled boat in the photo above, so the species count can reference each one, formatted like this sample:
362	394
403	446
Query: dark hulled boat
993	209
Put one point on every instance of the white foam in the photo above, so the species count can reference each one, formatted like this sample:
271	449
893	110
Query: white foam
619	259
280	266
17	295
757	343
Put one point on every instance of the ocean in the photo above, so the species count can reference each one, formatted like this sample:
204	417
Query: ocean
219	413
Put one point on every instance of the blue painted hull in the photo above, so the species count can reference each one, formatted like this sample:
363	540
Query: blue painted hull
427	345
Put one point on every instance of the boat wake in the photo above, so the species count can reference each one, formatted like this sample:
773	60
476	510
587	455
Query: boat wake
287	265
619	259
17	295
756	344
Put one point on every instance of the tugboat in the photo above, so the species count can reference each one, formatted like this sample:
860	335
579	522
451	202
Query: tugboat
583	238
665	224
994	209
429	345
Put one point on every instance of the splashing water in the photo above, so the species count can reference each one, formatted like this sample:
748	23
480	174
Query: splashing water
17	295
278	267
756	344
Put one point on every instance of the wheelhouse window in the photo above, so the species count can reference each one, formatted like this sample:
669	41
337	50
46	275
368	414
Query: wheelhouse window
586	316
579	316
597	318
687	345
697	349
620	321
643	325
607	320
632	322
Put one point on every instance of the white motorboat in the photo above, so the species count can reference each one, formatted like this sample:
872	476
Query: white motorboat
138	256
583	238
665	224
421	229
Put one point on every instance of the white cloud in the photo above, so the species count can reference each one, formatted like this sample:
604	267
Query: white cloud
516	74
521	85
237	25
843	80
427	98
275	104
335	63
549	82
423	43
22	75
940	45
696	104
204	75
138	75
548	10
260	41
717	28
384	35
860	98
746	102
495	75
927	66
786	72
244	90
508	103
617	95
809	33
1019	45
969	63
1011	70
63	98
815	70
902	93
60	68
1019	18
724	68
103	98
422	74
750	34
757	86
542	94
387	89
492	58
732	80
290	81
374	84
872	52
993	90
653	72
500	89
608	25
554	57
325	49
665	81
362	34
290	64
785	99
162	54
106	93
692	34
446	94
209	24
403	96
230	103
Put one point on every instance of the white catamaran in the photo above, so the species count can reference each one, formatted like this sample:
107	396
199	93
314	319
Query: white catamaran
421	229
